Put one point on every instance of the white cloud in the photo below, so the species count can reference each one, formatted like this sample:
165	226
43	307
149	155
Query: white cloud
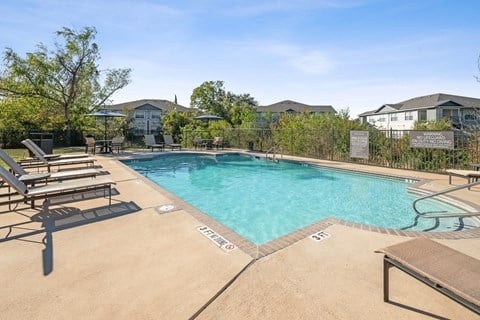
303	59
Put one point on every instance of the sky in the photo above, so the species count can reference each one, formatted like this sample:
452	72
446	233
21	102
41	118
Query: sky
354	55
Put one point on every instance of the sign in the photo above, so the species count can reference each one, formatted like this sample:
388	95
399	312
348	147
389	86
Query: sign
432	139
319	236
220	241
359	144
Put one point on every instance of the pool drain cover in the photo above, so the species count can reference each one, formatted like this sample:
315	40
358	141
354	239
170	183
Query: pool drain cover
165	208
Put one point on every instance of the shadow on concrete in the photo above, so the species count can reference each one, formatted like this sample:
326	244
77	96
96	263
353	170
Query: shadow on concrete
426	313
62	218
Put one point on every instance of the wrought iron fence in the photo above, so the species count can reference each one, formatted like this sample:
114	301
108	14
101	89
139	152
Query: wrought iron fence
388	148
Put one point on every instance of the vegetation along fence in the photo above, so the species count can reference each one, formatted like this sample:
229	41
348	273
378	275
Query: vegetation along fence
388	148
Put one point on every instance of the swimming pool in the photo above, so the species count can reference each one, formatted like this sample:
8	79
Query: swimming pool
263	200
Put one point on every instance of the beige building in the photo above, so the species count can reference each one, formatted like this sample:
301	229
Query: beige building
144	116
289	106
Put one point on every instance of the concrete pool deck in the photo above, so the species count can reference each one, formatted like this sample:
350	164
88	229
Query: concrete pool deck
85	260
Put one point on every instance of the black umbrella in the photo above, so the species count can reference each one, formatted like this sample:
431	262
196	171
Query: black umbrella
105	114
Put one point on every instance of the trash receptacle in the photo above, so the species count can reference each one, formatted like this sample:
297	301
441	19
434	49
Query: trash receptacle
43	140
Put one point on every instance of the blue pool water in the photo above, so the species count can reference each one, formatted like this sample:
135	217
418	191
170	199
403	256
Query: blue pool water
262	200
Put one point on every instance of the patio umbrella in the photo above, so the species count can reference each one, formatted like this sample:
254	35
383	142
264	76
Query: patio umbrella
208	117
105	114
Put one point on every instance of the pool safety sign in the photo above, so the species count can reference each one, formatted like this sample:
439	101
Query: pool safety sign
432	139
220	241
319	236
359	144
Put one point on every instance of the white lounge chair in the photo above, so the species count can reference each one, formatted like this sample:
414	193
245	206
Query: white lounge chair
470	175
53	189
61	161
36	150
29	178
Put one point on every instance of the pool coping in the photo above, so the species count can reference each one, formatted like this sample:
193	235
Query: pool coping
265	249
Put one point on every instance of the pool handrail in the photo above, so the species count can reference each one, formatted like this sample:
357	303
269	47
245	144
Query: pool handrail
447	215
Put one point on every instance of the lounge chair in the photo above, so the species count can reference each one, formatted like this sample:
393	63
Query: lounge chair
53	189
151	143
448	271
117	143
36	150
169	142
218	142
470	175
31	178
60	161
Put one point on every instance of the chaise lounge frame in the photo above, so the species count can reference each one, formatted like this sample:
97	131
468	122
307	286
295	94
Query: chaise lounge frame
470	175
42	161
52	190
32	178
36	150
151	143
452	273
168	139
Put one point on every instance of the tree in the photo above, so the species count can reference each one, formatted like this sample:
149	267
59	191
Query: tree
173	122
208	98
212	97
67	80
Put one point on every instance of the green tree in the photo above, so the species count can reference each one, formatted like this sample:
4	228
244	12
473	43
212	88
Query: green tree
211	97
173	122
442	124
65	81
208	98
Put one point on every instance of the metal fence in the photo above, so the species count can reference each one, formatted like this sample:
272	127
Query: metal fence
387	148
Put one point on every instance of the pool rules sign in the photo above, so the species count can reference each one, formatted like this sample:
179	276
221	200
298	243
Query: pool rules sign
432	139
359	144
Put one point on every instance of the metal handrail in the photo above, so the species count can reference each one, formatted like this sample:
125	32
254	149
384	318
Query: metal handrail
274	153
447	215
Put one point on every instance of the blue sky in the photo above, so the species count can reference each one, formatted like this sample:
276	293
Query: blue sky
355	54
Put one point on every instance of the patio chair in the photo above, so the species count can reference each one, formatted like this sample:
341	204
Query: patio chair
32	178
36	150
90	145
448	271
169	142
218	142
151	143
117	143
200	142
59	161
53	189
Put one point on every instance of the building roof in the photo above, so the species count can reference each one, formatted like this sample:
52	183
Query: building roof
426	102
288	105
161	104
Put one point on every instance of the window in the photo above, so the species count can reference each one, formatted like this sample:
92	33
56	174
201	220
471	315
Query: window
382	119
470	116
155	115
422	115
409	115
394	117
139	115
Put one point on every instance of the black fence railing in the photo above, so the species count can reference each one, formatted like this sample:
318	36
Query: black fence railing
387	148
